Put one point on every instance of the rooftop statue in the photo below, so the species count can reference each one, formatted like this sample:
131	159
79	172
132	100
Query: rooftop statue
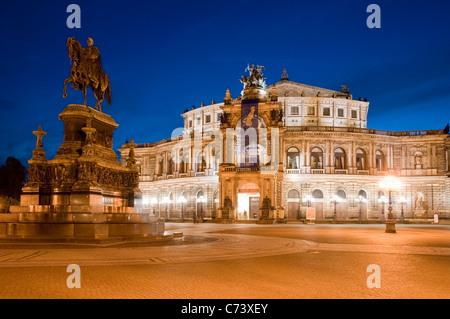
255	78
254	83
86	71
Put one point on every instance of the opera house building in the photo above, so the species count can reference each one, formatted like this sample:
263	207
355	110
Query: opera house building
290	152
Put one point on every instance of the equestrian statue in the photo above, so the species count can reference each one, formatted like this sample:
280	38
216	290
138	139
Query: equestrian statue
86	71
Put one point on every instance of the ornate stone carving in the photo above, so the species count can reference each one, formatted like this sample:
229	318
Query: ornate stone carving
131	160
107	177
265	209
254	84
38	152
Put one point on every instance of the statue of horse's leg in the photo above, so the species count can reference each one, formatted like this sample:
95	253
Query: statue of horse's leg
69	79
99	95
98	105
84	93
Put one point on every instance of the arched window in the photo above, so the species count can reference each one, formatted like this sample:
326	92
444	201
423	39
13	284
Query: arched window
200	194
214	160
317	194
339	158
293	193
216	197
360	159
293	158
181	165
159	165
169	165
183	198
316	158
380	161
341	193
199	162
363	194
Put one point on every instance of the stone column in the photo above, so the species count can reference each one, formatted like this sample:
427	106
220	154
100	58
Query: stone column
350	156
433	157
303	163
326	158
308	157
370	161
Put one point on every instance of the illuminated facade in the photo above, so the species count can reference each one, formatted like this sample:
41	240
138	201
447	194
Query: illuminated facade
277	151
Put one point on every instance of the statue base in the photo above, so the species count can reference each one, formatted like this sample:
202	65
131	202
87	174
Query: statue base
72	223
83	192
390	226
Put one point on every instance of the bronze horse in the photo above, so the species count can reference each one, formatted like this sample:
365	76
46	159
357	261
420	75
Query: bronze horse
82	77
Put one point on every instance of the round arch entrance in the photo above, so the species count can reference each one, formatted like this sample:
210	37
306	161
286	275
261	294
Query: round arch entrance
248	202
293	205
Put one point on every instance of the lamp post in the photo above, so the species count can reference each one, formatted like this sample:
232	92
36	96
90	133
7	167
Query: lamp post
390	183
402	201
200	200
360	199
183	201
165	202
335	199
145	203
307	199
153	202
383	200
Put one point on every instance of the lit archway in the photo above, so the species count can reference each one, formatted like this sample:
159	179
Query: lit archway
248	201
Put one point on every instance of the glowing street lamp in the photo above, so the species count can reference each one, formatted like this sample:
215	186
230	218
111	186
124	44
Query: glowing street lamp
402	200
153	201
307	199
182	201
200	200
360	199
390	183
383	200
166	202
335	199
145	201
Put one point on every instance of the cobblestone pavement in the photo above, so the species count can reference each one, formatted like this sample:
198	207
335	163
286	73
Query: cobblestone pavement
239	261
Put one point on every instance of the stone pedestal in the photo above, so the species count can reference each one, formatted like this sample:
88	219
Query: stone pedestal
390	226
83	192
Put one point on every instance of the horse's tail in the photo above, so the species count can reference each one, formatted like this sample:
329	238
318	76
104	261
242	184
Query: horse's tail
105	86
108	93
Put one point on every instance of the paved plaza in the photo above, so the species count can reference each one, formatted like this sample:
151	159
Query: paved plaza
234	261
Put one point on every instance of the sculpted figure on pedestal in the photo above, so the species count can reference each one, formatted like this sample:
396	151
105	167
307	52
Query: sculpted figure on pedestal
86	71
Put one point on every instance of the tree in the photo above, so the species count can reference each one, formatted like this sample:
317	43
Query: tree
12	178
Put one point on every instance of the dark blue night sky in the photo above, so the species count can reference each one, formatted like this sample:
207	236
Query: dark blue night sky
165	56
